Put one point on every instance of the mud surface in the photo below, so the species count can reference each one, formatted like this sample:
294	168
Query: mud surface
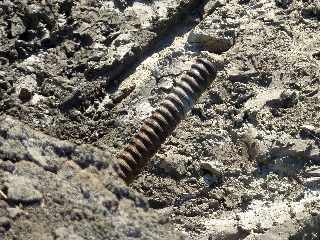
77	78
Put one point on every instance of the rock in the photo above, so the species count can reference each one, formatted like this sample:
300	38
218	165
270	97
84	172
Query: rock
287	156
283	3
213	5
296	148
224	229
14	212
264	97
214	34
312	10
4	85
249	135
215	97
25	94
312	183
313	172
309	131
214	168
5	223
134	232
174	165
17	27
261	217
284	231
212	172
288	98
24	143
7	166
26	87
64	233
260	78
244	1
21	190
36	98
254	147
144	109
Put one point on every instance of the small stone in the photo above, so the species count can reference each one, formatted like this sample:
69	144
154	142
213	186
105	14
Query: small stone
212	172
14	212
25	94
134	232
244	1
214	34
312	182
17	26
64	233
283	3
5	223
214	168
313	172
3	209
21	190
7	166
260	78
309	131
223	229
213	5
262	99
308	128
312	10
4	85
215	97
174	165
3	204
36	98
70	47
214	204
288	98
26	87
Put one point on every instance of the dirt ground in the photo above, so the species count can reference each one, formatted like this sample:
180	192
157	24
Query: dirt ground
77	79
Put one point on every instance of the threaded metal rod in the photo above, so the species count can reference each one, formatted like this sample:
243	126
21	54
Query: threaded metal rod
164	120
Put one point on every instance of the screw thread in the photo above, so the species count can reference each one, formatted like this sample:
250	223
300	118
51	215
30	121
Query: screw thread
164	120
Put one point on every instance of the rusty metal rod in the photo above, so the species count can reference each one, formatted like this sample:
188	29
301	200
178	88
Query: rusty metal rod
156	128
